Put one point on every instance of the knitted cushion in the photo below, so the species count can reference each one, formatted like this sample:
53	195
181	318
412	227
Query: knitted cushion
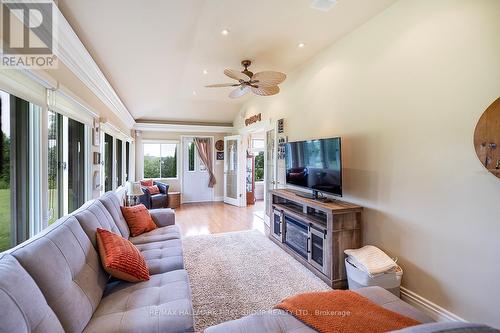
120	258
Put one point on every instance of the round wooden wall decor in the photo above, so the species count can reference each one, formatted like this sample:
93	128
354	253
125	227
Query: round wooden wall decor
219	145
487	138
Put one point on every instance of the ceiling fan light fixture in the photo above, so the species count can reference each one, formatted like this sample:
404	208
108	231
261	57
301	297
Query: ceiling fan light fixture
263	83
323	5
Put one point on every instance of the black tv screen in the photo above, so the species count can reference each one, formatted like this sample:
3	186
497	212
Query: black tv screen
315	164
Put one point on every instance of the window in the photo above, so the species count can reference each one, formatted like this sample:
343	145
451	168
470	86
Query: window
108	162
54	167
160	160
259	167
127	161
19	170
66	165
76	165
258	144
119	162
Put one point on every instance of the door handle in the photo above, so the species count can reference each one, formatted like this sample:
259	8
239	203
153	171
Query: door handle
308	245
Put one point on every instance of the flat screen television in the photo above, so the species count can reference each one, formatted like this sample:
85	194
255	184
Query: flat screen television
315	165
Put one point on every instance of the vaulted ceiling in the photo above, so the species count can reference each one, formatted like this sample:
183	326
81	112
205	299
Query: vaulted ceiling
155	52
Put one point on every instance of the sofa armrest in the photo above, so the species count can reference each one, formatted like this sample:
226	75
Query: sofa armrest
163	216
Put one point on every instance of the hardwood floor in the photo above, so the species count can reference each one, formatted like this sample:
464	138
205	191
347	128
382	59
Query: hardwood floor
217	217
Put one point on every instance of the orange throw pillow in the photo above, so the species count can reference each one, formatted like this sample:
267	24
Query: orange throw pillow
120	258
147	182
153	189
138	219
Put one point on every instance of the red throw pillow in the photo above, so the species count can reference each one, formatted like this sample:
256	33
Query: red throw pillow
120	258
153	189
148	182
138	219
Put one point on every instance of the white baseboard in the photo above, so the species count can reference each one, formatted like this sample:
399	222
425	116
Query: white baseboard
433	310
219	199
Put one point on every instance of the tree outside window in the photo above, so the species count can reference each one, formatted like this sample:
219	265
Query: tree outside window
160	160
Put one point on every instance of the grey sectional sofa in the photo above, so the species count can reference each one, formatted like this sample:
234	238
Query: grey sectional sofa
54	282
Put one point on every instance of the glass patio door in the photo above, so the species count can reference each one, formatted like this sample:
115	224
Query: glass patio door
270	169
232	173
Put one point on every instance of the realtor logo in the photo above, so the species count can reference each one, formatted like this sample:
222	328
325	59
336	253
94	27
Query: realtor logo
28	34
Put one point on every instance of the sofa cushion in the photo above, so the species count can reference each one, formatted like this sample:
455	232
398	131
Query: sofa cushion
111	202
23	307
138	219
162	304
153	189
66	268
157	235
147	182
163	217
120	258
162	257
93	215
162	186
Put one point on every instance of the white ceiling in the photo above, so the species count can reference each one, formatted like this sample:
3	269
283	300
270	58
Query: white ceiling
154	52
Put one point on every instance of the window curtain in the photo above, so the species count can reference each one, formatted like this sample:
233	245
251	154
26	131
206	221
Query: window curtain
205	152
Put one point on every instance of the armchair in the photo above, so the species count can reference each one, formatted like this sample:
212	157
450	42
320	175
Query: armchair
153	201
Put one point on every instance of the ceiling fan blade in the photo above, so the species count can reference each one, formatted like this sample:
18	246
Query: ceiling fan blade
266	91
240	91
268	78
234	74
218	85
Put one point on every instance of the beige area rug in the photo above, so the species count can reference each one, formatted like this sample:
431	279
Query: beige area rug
239	273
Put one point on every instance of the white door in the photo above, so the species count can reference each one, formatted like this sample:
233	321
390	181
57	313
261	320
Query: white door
232	170
194	175
270	168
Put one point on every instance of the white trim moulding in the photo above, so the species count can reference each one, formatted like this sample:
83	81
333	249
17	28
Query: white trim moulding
182	128
71	51
433	310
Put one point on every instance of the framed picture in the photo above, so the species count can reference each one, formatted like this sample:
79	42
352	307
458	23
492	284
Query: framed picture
97	158
96	180
96	133
220	156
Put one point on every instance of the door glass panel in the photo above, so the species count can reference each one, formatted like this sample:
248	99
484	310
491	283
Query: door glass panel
76	165
270	156
119	162
191	156
108	162
232	169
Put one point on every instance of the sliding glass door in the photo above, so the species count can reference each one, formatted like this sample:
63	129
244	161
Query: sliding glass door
119	162
19	170
66	165
108	162
127	161
55	167
76	165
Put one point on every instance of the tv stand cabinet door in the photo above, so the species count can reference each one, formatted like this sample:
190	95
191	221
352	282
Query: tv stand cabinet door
346	234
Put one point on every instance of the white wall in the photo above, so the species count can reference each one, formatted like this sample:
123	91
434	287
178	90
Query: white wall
175	184
405	91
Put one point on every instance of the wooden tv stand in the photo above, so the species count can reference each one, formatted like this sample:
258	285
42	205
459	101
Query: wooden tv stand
316	233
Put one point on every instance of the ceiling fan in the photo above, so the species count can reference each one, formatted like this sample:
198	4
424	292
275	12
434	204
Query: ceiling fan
263	83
